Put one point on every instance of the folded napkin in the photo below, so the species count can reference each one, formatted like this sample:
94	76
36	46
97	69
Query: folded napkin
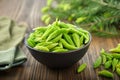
11	34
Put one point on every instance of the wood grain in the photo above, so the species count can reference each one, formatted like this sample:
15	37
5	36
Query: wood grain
29	11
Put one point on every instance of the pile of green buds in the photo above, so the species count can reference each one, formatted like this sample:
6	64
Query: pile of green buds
110	60
58	37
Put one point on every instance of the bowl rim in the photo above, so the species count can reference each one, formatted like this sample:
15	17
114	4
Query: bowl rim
87	44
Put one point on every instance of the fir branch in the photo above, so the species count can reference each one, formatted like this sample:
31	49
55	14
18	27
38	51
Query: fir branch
99	16
103	20
117	6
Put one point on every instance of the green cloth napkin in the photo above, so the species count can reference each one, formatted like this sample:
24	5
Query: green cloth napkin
11	34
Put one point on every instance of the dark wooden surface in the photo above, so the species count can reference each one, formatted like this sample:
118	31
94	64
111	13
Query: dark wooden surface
29	11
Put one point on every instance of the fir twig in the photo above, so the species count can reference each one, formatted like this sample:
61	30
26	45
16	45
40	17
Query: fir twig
99	16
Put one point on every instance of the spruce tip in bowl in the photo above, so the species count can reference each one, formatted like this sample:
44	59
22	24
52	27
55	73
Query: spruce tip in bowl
58	45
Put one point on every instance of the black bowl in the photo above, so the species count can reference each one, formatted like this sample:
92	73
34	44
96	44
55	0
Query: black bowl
58	60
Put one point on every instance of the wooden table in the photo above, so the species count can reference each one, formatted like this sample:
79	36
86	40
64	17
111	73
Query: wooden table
29	11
